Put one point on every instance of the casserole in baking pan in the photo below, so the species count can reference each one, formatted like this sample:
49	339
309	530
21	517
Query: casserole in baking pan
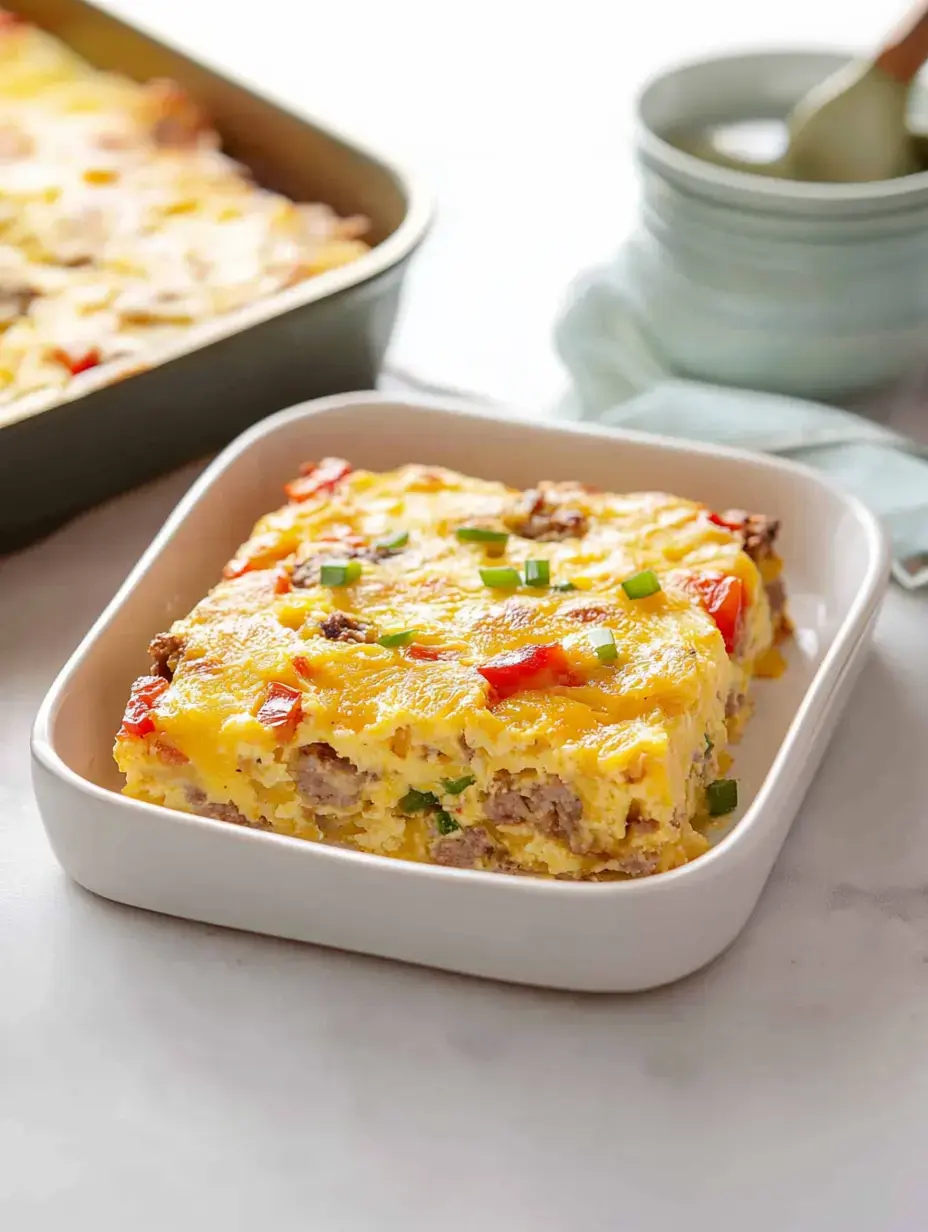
163	282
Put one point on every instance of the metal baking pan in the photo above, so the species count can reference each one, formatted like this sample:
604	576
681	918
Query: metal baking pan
326	335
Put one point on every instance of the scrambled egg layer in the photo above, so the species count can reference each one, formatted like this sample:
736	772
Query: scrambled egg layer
610	768
121	222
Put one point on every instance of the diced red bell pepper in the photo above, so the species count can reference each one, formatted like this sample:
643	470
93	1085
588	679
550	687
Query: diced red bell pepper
77	361
530	667
281	582
282	707
426	654
302	666
236	567
735	523
316	478
261	552
137	720
722	595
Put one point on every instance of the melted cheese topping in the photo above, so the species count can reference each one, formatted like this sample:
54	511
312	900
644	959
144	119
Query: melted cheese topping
121	223
634	741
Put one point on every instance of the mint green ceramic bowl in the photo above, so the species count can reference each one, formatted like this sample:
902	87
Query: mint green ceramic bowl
809	289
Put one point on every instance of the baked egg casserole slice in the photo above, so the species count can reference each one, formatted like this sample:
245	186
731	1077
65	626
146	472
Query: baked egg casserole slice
443	669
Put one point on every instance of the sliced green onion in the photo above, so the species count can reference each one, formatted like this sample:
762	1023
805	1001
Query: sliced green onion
340	573
722	797
642	584
709	745
502	578
418	801
454	787
402	638
445	823
603	641
537	573
392	542
562	586
480	534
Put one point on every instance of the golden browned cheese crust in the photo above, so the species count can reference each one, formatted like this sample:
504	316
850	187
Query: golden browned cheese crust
275	704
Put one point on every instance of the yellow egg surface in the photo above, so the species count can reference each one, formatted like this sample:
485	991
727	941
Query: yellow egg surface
438	668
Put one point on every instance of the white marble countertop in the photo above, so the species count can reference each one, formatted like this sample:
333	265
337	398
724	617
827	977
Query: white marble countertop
156	1073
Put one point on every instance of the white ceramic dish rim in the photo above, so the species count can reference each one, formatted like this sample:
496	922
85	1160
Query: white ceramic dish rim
826	679
906	192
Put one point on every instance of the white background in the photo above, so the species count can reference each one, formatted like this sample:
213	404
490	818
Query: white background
155	1074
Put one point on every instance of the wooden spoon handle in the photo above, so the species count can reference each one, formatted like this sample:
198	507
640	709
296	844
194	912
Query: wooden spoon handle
907	49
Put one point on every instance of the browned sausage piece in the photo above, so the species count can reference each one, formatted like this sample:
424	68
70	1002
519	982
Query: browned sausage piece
544	514
464	849
547	804
325	780
166	651
340	627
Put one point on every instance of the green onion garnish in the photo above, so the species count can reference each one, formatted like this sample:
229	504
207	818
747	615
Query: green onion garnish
340	573
392	543
402	638
537	573
445	823
563	586
721	797
480	534
454	787
418	801
642	584
709	745
603	641
502	578
422	801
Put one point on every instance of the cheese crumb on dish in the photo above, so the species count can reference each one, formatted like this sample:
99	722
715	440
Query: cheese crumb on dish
122	224
438	668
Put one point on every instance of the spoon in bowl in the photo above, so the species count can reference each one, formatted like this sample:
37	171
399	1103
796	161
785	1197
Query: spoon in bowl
852	127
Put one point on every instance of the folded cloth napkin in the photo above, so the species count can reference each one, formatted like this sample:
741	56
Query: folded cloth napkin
620	379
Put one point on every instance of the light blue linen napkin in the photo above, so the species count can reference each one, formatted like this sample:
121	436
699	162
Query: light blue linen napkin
620	379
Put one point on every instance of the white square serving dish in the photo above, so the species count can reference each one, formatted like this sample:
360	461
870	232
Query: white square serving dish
605	937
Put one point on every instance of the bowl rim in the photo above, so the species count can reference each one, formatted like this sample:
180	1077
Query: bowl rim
765	192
